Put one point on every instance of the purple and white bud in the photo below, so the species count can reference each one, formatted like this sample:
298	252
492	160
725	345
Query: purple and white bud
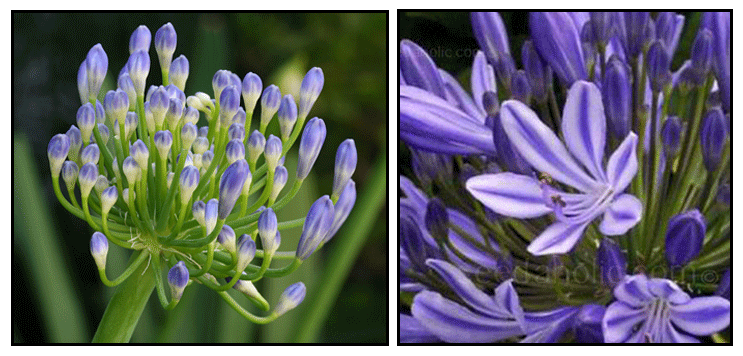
557	41
100	184
141	154
313	138
159	103
611	263
316	226
116	104
291	298
163	142
640	30
125	84
210	215
493	40
268	228
221	80
226	238
69	174
178	279
87	177
108	199
617	97
198	210
149	118
140	39
247	288
200	145
105	134
310	90
537	71
231	185
245	251
252	86
342	209
99	249
237	132
86	121
178	73
229	102
132	171
287	116
91	153
82	83
240	117
701	55
206	159
280	177
270	101
130	124
204	131
96	66
188	135
175	113
272	153
59	147
235	150
191	116
713	136
658	66
520	87
668	27
345	165
684	237
165	42
74	144
125	195
256	146
188	180
670	134
139	68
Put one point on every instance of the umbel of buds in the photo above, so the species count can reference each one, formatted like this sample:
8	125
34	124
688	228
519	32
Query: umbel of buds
179	194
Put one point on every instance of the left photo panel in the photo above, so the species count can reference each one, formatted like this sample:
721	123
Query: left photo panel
200	178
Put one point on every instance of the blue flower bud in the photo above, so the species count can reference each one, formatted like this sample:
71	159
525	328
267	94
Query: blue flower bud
140	153
310	90
247	288
316	226
345	165
557	41
188	181
75	142
237	132
272	153
87	177
207	157
188	135
671	136
86	121
537	71
684	237
713	137
231	185
508	158
668	26
342	209
256	146
280	177
429	167
132	171
602	25
701	55
174	113
437	219
165	42
103	130
82	83
210	215
493	40
163	141
178	279
139	68
658	66
69	174
159	103
125	84
229	102
221	80
268	228
191	116
313	138
234	151
99	249
96	65
140	40
240	117
178	73
252	86
125	194
108	199
418	69
723	289
91	153
637	24
245	251
204	132
617	97
200	145
611	262
287	116
520	88
57	151
270	101
130	124
198	211
291	298
226	238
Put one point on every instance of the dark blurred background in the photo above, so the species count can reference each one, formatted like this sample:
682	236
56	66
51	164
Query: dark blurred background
57	295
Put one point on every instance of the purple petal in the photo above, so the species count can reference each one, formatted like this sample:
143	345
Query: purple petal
419	70
456	95
507	299
623	214
667	290
465	289
620	320
549	326
412	193
702	315
541	148
584	127
411	331
482	258
622	165
558	238
483	79
669	334
509	194
633	291
452	322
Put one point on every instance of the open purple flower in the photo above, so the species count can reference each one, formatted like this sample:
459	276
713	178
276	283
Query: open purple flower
580	166
657	310
485	318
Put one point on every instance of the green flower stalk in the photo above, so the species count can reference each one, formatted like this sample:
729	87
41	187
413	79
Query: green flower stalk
179	194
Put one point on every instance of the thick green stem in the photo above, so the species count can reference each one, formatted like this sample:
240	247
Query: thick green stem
126	306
